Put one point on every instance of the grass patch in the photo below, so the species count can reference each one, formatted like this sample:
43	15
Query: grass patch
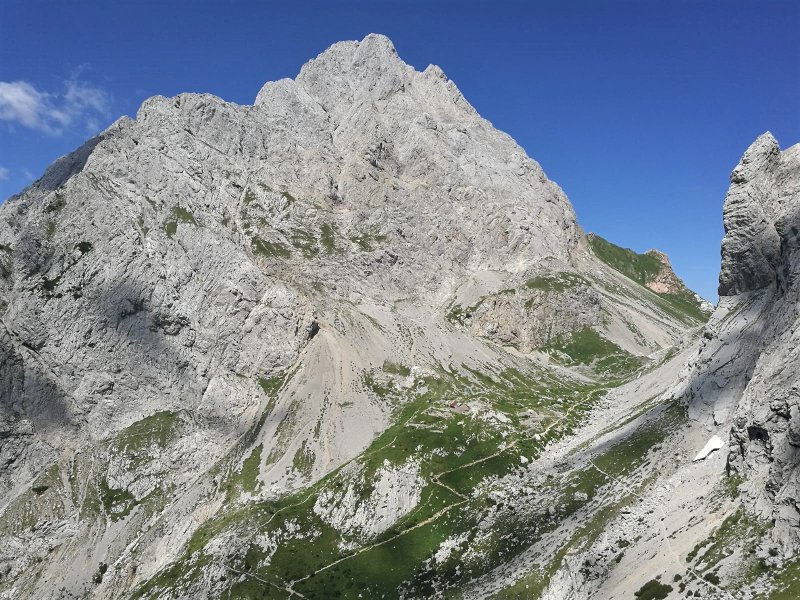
618	461
245	480
641	268
731	485
268	249
367	242
248	476
118	503
157	429
305	242
170	228
178	215
786	583
739	530
653	590
56	204
328	239
585	346
630	453
141	441
379	387
685	307
552	283
459	315
48	285
396	369
588	347
303	460
644	268
182	215
558	282
90	505
454	451
271	385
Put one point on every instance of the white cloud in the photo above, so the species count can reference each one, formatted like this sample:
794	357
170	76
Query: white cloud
83	96
78	103
3	173
20	102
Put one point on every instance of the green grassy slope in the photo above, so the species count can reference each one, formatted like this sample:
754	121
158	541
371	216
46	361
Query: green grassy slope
456	450
639	267
644	268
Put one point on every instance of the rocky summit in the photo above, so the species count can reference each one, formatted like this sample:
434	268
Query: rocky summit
351	342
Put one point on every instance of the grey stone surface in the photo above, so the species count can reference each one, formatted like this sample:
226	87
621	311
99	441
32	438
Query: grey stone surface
747	375
226	276
751	247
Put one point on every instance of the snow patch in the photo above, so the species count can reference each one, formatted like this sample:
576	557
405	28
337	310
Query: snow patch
715	443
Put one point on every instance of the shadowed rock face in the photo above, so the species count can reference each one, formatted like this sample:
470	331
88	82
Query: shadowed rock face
748	372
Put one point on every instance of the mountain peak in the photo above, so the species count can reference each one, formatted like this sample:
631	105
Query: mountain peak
216	307
352	77
350	70
373	43
763	150
374	50
379	42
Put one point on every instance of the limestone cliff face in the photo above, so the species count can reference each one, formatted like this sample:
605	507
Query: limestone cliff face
198	305
747	377
203	240
754	204
217	279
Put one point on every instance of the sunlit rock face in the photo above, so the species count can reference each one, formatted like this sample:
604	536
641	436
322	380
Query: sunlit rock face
246	345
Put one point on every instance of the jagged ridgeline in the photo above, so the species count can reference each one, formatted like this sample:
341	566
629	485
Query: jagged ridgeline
347	342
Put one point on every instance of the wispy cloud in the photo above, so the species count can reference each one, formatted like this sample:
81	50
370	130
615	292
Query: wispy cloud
3	173
77	104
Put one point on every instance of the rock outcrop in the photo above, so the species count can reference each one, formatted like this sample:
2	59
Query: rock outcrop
751	248
765	445
665	281
746	380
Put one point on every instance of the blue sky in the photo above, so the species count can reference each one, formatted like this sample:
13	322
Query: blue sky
639	109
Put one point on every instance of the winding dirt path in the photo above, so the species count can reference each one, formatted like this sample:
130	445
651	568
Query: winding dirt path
436	480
